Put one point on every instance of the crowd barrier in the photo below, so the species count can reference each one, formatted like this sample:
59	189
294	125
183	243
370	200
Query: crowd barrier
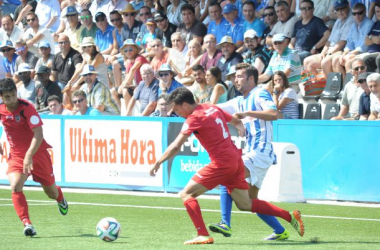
338	158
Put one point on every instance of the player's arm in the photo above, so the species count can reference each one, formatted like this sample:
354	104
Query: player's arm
172	150
267	115
238	125
34	145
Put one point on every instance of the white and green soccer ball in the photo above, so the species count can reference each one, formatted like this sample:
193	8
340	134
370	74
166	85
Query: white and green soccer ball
108	229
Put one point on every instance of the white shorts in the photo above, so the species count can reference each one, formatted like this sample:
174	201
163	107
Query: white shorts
258	165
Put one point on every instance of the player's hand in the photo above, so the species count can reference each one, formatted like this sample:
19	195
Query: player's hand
154	170
239	115
28	165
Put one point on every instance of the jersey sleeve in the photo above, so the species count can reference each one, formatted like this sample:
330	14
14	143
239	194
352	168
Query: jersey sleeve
265	100
191	124
33	119
226	115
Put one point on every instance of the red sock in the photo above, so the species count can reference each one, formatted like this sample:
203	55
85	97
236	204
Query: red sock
194	211
60	194
263	207
21	206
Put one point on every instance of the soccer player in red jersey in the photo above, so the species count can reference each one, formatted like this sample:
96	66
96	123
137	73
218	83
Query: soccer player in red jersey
28	152
209	125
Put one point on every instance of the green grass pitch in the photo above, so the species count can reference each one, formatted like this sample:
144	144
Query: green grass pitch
162	223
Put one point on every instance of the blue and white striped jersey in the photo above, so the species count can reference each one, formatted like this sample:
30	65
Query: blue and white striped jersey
258	132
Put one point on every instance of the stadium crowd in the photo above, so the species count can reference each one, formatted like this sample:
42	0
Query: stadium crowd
115	57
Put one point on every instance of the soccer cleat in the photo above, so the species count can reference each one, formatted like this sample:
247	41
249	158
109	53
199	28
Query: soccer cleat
297	222
29	230
274	236
200	240
63	207
220	228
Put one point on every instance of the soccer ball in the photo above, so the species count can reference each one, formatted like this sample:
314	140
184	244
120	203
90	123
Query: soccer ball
108	229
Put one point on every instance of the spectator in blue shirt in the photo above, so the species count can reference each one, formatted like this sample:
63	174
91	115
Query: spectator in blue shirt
217	25
103	36
79	99
251	22
10	57
355	42
167	82
235	28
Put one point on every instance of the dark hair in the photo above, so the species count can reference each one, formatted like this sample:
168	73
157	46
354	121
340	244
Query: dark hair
86	10
217	73
198	67
114	12
309	2
147	8
188	7
215	4
54	98
250	3
249	71
282	3
181	95
9	16
359	6
7	85
94	52
284	78
269	8
31	13
377	4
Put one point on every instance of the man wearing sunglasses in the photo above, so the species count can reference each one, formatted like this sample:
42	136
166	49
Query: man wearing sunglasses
90	28
24	8
165	28
103	37
80	104
10	31
24	56
36	33
74	27
131	27
336	42
167	82
270	19
144	15
310	34
356	41
9	60
349	108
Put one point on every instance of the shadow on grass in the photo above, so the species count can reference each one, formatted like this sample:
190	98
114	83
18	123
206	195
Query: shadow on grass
302	243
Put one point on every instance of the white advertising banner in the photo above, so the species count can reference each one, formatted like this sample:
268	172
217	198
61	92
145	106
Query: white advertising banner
112	151
52	135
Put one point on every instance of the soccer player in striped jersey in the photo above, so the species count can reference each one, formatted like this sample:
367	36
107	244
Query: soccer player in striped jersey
257	111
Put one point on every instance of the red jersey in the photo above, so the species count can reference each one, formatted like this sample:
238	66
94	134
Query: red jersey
18	126
209	124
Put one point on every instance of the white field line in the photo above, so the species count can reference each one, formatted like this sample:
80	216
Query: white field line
183	209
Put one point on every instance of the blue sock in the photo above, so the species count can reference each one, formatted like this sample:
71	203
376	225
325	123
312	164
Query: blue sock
272	222
225	205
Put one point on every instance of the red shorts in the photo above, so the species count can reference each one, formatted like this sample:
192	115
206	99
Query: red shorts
42	167
230	175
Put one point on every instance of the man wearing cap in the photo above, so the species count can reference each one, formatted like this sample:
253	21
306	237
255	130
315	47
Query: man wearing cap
251	22
99	6
36	33
81	107
10	31
257	55
217	25
24	56
167	82
27	90
45	88
131	27
98	95
146	92
212	54
235	26
74	28
373	82
284	59
191	28
365	100
89	27
9	59
349	107
230	56
103	36
285	24
65	62
310	34
47	57
165	28
336	41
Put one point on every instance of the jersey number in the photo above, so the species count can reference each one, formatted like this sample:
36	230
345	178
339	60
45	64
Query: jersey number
220	122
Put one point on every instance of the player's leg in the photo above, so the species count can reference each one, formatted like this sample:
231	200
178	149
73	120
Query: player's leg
20	204
244	203
188	196
54	192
